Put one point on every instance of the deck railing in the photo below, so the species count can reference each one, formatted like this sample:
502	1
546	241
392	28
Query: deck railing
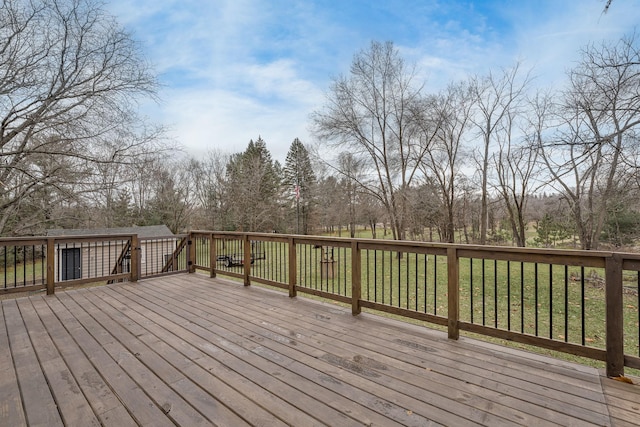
579	302
39	263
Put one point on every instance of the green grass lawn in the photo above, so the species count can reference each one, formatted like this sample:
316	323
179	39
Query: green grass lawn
22	274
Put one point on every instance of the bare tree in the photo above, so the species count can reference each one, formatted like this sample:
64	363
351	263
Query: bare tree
495	96
173	195
209	179
69	78
516	164
370	115
450	116
600	119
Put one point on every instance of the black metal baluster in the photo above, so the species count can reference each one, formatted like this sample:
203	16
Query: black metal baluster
566	303
416	284
471	287
424	283
435	285
550	301
582	305
535	273
508	295
495	293
522	297
390	278
484	297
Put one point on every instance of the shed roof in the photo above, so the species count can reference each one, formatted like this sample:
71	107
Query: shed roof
141	231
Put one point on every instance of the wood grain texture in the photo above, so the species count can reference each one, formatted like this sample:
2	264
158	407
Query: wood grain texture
189	350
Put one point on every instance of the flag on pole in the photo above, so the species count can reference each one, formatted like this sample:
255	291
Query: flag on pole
297	192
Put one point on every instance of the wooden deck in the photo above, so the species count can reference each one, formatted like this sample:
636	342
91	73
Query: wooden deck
188	350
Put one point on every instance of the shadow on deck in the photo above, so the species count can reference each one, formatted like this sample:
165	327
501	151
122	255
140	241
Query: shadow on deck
188	350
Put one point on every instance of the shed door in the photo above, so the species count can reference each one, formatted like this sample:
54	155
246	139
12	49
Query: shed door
71	264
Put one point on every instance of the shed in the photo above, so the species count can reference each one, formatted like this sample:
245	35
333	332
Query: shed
77	258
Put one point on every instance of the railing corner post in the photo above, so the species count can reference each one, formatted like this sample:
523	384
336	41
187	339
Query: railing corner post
453	286
614	316
51	265
136	253
247	259
191	253
293	264
356	278
212	255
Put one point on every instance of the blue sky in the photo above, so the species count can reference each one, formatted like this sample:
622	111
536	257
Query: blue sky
232	70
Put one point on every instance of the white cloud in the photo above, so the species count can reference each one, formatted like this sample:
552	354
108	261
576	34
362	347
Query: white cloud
236	69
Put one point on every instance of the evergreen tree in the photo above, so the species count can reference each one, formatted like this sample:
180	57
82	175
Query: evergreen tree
299	183
252	189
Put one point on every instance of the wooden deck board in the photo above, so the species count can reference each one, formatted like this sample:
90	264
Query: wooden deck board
11	411
188	350
412	374
38	402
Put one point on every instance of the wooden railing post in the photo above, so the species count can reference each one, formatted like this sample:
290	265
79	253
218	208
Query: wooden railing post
356	278
614	316
51	265
247	260
191	253
453	289
213	257
293	267
136	253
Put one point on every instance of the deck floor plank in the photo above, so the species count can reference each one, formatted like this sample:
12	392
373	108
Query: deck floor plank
257	368
106	405
492	400
169	347
414	373
371	364
72	403
155	383
40	406
623	400
132	337
144	410
11	411
188	350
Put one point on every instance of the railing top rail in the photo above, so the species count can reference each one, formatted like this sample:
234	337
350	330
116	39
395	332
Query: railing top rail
91	237
467	249
173	236
22	241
